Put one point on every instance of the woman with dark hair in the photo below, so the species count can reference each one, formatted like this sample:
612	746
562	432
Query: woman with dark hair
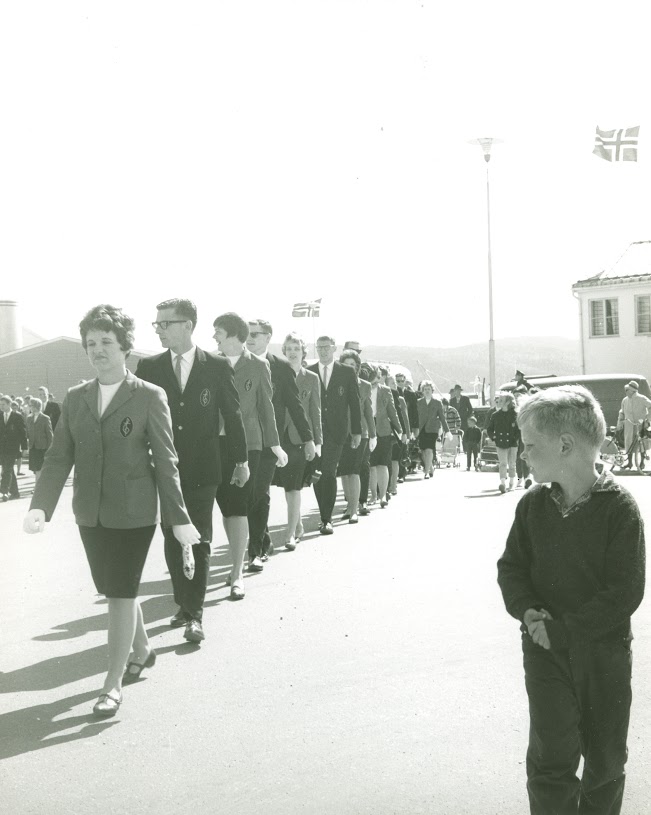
292	477
116	431
352	458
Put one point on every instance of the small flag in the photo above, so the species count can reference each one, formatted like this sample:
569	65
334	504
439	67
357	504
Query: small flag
310	309
617	145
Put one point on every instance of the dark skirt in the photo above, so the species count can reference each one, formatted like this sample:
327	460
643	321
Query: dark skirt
381	456
291	477
350	462
427	441
36	458
116	558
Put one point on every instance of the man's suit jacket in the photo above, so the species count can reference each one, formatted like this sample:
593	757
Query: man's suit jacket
121	460
286	398
412	405
463	406
253	383
340	399
431	417
386	416
309	392
53	410
404	412
39	431
13	434
209	392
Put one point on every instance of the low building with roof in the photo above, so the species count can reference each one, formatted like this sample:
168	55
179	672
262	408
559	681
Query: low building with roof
615	315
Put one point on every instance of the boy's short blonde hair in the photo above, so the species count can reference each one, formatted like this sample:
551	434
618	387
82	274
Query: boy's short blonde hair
565	409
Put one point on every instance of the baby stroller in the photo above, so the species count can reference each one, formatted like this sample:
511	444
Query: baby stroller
412	457
450	449
488	453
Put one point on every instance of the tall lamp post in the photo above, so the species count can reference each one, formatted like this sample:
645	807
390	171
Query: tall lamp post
486	144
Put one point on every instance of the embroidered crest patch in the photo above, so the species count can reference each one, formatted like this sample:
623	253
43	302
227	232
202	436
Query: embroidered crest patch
340	390
126	426
204	398
304	394
248	385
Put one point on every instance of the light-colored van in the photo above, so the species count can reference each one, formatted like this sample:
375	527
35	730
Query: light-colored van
608	389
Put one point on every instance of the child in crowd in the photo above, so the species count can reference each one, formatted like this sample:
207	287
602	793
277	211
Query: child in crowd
472	442
503	430
573	573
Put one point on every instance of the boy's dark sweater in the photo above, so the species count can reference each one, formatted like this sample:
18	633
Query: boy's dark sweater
472	436
586	569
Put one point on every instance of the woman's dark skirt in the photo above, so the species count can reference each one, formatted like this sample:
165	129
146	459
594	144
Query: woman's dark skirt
36	459
381	456
291	477
116	558
350	462
427	441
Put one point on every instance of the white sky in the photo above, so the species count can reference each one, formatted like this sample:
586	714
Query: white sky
252	154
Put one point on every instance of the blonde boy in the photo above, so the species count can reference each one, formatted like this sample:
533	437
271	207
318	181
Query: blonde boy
573	573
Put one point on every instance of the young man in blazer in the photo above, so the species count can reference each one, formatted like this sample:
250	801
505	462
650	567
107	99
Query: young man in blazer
339	405
13	436
200	389
50	407
253	383
286	400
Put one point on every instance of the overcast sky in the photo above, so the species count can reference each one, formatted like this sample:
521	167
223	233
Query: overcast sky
252	154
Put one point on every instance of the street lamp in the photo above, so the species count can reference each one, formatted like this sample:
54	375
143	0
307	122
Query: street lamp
486	144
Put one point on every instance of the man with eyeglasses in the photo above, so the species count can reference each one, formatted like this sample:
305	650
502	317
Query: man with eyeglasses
200	388
286	399
339	401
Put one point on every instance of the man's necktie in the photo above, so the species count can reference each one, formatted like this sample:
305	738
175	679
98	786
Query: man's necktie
177	371
325	377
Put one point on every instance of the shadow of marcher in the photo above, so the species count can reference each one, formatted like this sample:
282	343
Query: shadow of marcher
34	728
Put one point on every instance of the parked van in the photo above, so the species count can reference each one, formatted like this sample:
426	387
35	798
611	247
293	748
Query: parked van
608	389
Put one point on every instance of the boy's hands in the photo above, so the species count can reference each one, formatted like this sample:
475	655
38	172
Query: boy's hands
535	622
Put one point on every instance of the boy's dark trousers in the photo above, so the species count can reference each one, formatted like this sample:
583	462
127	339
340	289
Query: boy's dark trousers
579	703
472	452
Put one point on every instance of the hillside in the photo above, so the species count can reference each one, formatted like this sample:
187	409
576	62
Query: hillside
532	355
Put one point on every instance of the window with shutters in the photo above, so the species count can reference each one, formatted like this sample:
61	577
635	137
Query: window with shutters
604	318
643	314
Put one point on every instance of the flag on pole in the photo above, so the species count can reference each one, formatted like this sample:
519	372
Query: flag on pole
309	309
617	145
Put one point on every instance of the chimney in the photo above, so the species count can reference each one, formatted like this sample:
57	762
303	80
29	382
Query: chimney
10	335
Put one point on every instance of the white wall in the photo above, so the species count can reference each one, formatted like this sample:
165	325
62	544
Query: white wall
626	353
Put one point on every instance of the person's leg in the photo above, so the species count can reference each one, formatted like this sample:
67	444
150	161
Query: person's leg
554	740
345	484
468	457
293	498
502	457
382	482
393	477
605	693
237	532
328	481
174	560
428	458
512	454
364	475
373	480
259	501
353	500
122	619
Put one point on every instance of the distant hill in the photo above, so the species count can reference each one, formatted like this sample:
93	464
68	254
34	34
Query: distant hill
449	366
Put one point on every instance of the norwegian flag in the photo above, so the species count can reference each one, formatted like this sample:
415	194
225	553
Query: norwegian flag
617	145
309	309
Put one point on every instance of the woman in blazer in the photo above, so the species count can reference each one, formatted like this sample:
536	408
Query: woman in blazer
292	477
116	431
39	436
386	424
431	418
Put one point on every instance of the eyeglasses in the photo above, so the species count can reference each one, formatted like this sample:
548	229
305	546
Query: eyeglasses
257	333
164	323
324	347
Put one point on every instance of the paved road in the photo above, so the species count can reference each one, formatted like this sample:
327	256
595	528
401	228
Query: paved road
373	672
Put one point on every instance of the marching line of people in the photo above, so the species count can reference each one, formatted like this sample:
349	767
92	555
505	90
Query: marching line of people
192	427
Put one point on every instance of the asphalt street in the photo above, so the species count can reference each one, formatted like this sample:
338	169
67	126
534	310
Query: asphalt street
374	672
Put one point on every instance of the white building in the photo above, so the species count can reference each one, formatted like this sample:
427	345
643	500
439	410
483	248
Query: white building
615	315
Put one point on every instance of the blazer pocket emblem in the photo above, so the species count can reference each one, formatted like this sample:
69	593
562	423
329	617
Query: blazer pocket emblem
248	385
340	390
304	394
126	426
204	399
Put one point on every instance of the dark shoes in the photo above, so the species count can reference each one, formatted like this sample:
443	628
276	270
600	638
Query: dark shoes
179	619
353	519
107	705
364	510
134	669
237	590
326	528
256	565
527	483
383	504
194	632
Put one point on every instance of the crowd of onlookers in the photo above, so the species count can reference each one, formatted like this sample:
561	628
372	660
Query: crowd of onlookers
26	428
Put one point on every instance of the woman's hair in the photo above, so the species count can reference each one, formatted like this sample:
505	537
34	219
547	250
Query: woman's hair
233	325
565	409
510	398
350	354
109	318
425	383
368	372
294	337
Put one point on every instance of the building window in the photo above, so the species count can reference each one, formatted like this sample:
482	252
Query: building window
643	314
604	318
